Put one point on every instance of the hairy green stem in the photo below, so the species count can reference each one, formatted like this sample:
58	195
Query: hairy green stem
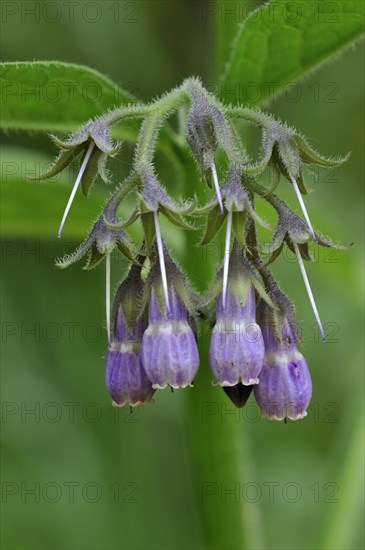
251	115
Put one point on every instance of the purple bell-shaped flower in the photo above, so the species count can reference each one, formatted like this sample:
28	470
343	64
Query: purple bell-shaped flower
285	386
169	350
237	350
125	377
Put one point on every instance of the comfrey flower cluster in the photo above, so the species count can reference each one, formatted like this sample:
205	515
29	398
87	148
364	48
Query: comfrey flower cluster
153	325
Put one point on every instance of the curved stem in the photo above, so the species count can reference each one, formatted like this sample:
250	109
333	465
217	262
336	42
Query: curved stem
251	115
149	132
123	113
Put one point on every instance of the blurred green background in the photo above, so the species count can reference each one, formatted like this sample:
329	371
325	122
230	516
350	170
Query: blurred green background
109	479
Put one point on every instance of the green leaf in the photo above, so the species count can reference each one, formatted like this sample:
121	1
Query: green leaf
53	96
226	20
283	41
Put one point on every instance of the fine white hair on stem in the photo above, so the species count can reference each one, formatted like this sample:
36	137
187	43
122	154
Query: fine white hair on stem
107	294
227	249
309	290
76	184
161	260
303	207
216	185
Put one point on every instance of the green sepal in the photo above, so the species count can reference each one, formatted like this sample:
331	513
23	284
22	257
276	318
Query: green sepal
64	159
95	257
214	223
310	156
284	308
205	209
238	224
288	153
79	253
175	218
283	169
149	229
304	250
326	242
277	241
260	289
132	218
256	217
240	286
129	296
61	144
91	170
102	170
276	178
275	254
130	302
124	249
188	208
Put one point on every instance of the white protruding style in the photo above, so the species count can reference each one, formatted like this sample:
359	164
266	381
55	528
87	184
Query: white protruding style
227	250
309	290
216	185
76	184
304	210
107	295
161	260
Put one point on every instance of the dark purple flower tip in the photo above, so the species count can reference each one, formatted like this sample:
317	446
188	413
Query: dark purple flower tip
285	386
237	349
238	394
125	377
169	350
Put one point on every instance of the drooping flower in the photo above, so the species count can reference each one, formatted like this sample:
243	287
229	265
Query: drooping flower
99	244
169	350
125	377
208	131
93	144
287	151
285	387
237	349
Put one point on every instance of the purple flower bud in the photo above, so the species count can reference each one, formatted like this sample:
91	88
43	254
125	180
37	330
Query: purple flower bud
237	350
169	351
285	386
238	394
125	377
